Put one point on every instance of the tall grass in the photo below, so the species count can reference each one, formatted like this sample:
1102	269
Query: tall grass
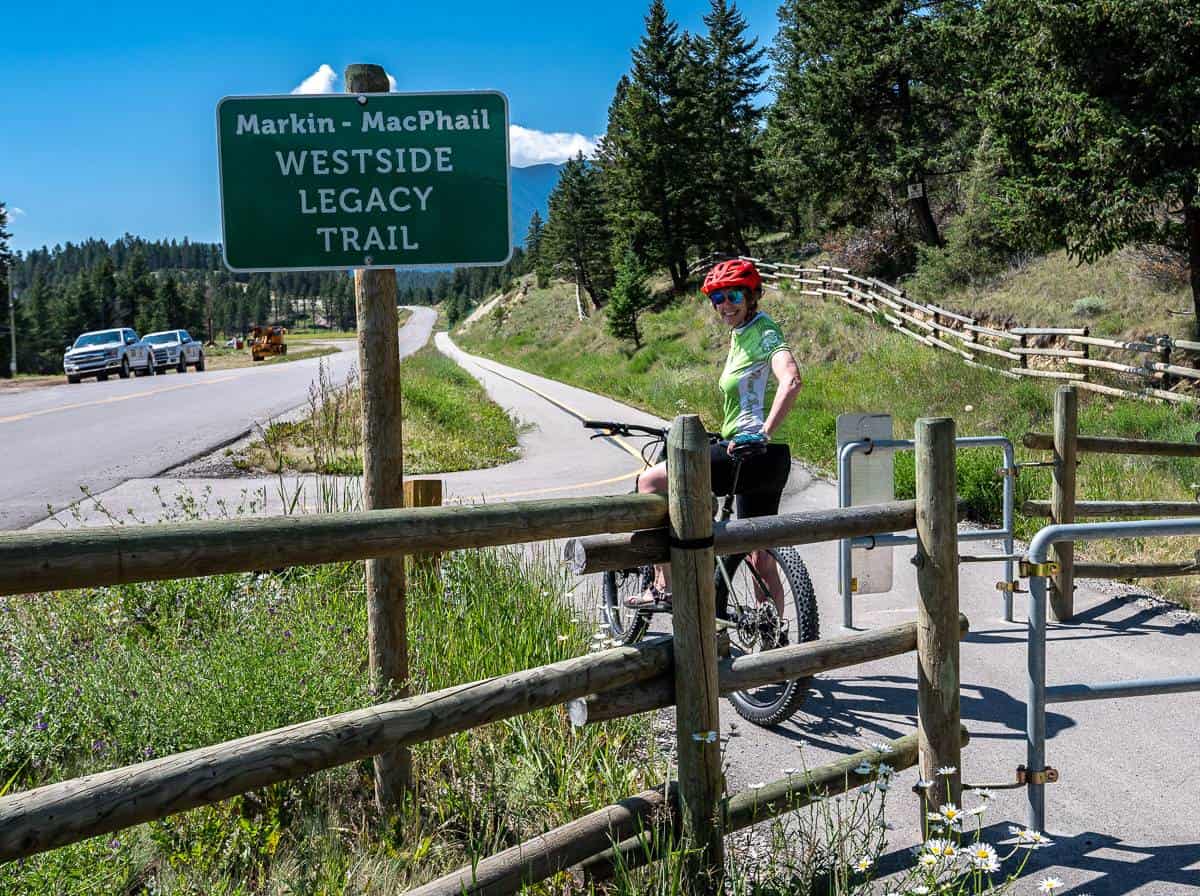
449	424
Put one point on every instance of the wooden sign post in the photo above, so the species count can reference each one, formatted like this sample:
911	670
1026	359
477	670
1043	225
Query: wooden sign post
383	470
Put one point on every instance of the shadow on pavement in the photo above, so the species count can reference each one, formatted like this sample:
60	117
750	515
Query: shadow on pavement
884	707
1098	864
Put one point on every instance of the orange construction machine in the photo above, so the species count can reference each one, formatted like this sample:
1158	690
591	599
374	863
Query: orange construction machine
265	341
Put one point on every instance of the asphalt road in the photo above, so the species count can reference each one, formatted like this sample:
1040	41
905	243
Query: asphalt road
98	435
1124	816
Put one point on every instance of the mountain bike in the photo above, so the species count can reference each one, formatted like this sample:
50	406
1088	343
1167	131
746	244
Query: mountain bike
745	607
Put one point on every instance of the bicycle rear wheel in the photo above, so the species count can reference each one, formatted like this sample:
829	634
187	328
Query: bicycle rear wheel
625	625
759	627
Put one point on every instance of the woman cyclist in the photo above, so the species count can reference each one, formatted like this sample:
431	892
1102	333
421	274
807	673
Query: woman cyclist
757	349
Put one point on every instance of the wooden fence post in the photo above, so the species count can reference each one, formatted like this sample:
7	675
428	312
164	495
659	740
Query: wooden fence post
423	493
1024	362
379	365
1062	499
697	720
938	716
1087	353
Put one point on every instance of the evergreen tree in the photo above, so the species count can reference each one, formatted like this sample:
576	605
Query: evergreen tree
533	248
577	236
649	153
1094	104
135	288
629	297
729	70
872	105
104	289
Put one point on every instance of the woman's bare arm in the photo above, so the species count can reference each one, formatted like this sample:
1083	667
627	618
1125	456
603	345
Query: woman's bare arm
783	365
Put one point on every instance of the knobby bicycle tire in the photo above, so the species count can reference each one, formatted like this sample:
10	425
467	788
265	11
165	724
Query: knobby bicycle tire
775	704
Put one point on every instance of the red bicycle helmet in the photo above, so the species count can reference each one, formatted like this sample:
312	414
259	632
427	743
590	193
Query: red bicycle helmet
735	272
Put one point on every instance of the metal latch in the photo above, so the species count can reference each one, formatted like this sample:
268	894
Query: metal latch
1047	775
1027	569
854	584
1014	587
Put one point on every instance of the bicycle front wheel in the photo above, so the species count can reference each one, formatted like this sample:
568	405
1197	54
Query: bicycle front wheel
760	626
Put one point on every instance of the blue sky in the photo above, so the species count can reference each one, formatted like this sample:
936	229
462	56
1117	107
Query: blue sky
109	126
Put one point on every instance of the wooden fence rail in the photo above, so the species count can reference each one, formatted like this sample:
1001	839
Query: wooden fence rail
47	817
636	825
755	670
607	552
46	561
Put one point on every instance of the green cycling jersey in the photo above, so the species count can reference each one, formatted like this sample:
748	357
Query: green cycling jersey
747	369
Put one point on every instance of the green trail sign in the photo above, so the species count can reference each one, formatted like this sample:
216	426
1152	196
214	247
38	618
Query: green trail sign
336	181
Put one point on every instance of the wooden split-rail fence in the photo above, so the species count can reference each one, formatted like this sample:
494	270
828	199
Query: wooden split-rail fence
1063	507
1168	371
686	669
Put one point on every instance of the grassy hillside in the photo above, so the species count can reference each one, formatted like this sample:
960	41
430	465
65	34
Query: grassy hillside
1123	294
849	364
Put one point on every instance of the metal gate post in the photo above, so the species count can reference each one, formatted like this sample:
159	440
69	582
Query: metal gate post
1035	702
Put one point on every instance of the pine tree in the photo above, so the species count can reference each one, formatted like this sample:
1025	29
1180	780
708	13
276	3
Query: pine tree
135	288
629	297
533	248
1094	104
577	236
728	68
872	106
649	153
104	288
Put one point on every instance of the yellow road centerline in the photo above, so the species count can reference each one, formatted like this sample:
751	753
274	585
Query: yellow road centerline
114	399
563	488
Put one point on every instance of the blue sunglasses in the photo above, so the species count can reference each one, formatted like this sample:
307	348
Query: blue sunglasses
735	296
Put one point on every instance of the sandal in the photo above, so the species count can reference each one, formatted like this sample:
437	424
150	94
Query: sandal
652	599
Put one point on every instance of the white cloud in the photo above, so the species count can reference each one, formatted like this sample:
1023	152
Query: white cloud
530	147
14	211
326	80
323	80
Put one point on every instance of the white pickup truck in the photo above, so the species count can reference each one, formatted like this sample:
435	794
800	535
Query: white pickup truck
102	352
175	348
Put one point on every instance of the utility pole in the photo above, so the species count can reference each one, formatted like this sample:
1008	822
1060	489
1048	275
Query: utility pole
12	323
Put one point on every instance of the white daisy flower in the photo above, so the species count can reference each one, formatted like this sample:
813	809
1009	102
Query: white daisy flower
947	770
882	748
919	890
885	770
1050	884
862	865
950	813
923	784
927	861
864	768
758	785
942	849
790	771
984	793
982	856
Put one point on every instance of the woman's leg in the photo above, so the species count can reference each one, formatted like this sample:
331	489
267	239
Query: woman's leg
654	482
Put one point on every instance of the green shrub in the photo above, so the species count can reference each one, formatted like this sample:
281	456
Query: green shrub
1088	306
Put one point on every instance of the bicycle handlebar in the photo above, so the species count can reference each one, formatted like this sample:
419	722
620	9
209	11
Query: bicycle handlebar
633	429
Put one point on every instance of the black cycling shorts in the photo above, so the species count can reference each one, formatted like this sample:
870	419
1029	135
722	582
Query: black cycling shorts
760	482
